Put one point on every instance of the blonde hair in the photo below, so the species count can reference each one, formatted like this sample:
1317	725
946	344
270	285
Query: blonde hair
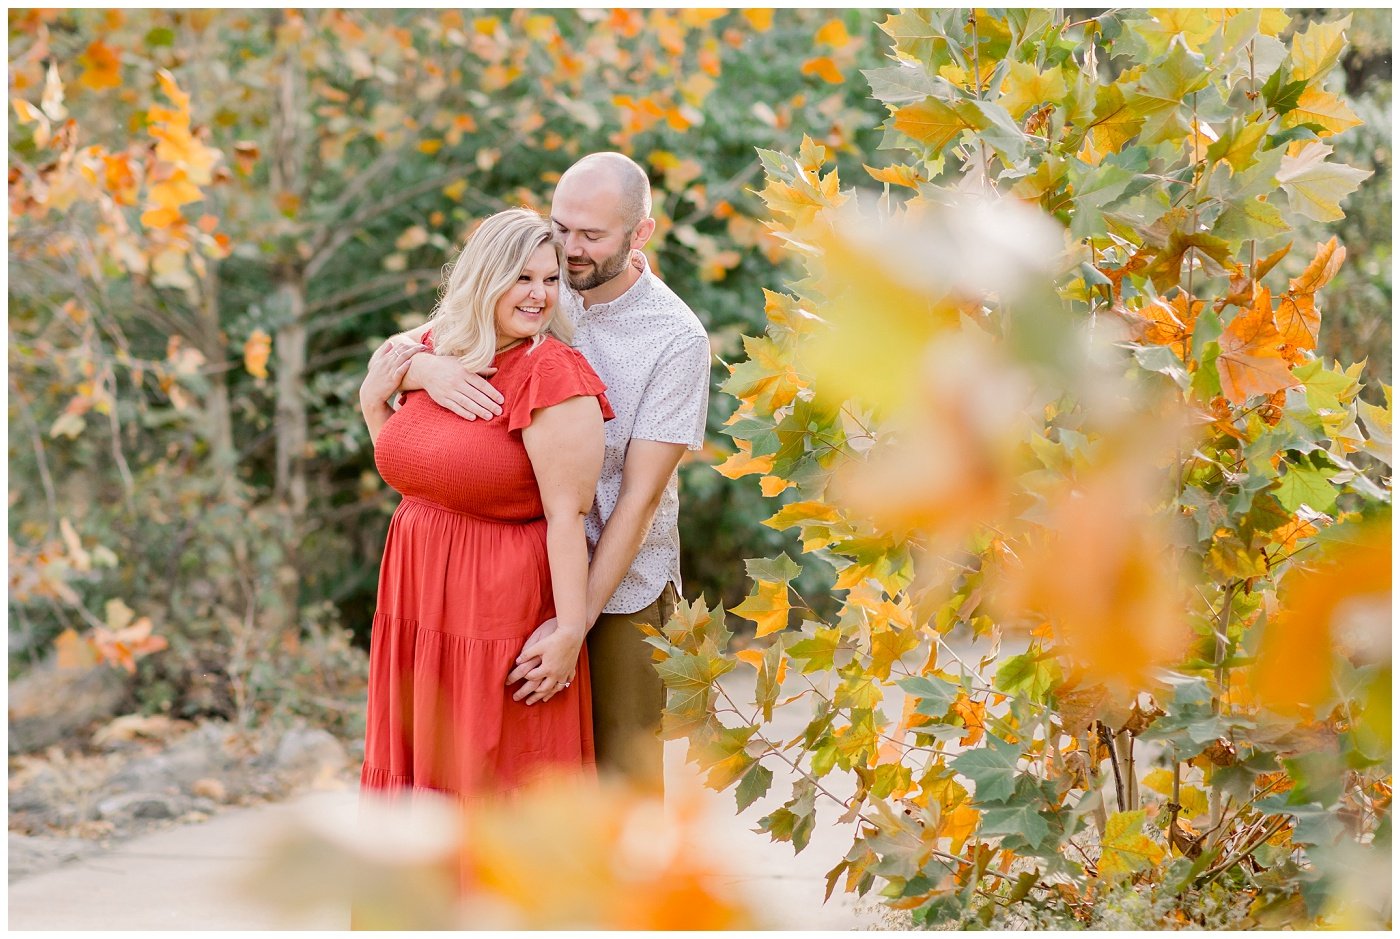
464	320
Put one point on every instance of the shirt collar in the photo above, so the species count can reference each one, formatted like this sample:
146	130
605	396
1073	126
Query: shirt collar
629	296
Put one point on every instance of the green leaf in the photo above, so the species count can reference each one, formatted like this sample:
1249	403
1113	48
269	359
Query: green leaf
1015	818
818	651
995	126
935	694
1308	485
902	83
1315	187
753	786
774	570
1248	220
1280	94
992	768
1031	673
796	819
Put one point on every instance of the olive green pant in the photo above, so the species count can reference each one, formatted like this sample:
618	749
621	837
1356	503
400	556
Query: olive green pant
628	694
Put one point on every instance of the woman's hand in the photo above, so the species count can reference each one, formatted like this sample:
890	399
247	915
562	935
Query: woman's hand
558	654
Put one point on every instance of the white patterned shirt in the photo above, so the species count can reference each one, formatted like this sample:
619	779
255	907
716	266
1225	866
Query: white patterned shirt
654	356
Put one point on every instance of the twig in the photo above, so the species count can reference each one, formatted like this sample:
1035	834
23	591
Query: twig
1106	738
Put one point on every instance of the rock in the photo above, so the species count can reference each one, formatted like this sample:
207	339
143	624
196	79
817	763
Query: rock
142	805
307	753
49	704
32	854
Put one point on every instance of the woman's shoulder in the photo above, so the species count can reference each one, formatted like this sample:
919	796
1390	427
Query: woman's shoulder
552	352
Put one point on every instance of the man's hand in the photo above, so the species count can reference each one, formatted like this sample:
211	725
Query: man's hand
467	394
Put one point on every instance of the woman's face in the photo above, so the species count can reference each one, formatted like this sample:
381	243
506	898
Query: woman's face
526	306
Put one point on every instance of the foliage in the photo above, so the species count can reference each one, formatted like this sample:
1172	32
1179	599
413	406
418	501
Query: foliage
428	863
216	215
1113	537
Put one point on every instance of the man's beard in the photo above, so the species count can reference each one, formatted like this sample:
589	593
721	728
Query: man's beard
602	271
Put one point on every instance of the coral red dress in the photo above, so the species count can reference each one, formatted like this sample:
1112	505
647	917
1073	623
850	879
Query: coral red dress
464	582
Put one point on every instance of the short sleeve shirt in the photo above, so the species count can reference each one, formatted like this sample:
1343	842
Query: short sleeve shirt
654	356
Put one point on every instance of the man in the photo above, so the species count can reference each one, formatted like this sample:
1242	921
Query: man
653	354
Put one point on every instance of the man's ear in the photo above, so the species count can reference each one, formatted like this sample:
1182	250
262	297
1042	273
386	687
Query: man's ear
643	231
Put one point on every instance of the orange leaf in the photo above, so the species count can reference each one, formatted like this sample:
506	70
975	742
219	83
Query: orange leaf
102	67
256	352
833	33
1342	596
929	121
1298	320
958	824
824	68
74	651
1251	353
770	486
175	192
744	463
761	19
973	714
1322	268
752	657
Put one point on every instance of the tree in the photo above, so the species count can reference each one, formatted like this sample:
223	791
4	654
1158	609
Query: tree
1112	544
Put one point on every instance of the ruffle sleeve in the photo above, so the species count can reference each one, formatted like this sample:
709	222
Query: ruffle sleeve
559	374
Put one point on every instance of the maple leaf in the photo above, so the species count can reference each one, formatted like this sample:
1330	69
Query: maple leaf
767	606
1251	360
1026	86
898	175
1125	848
1324	109
973	714
744	463
930	122
1315	187
957	825
1316	49
102	67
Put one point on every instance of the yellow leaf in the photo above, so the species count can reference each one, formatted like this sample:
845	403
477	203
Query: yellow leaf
256	352
539	27
1193	800
761	19
1194	25
898	175
1125	848
795	513
175	192
1322	107
772	485
929	121
429	146
833	33
161	217
744	463
1316	49
413	237
767	606
958	824
1025	86
454	191
1322	268
752	657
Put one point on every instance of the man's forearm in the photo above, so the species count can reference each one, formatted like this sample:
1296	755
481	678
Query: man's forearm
622	538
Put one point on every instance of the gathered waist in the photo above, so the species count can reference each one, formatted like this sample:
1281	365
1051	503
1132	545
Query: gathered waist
417	502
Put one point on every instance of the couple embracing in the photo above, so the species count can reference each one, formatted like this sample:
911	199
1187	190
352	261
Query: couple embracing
538	520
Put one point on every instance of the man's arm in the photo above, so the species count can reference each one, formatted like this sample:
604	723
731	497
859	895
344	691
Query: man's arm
645	472
464	393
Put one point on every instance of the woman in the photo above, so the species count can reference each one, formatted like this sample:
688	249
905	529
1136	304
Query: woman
488	541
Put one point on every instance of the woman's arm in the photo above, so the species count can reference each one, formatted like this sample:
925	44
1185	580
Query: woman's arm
565	445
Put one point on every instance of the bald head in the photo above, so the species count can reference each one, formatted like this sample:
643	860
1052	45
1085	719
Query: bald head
616	174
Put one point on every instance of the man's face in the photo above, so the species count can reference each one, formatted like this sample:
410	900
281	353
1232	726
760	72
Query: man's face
597	243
